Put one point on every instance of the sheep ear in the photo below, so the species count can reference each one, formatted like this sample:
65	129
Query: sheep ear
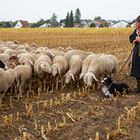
72	77
95	78
6	68
42	66
59	70
31	62
81	76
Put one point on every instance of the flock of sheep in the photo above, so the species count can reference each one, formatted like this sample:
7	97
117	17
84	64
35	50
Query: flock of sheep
41	67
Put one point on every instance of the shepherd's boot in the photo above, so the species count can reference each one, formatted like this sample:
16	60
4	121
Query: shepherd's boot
137	89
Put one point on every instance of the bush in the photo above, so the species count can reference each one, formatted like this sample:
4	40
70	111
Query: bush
92	25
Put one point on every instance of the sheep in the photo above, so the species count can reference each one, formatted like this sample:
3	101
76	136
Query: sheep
4	57
59	68
26	57
70	53
68	49
99	67
44	52
10	52
42	67
10	65
11	76
56	52
86	63
75	65
24	74
14	60
7	79
24	46
60	65
3	48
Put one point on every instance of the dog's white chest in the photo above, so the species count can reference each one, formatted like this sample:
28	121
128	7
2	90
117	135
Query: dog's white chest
106	92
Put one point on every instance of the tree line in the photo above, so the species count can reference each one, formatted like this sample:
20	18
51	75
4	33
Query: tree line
72	19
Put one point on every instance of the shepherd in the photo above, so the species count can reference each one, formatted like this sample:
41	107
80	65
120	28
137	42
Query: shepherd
135	69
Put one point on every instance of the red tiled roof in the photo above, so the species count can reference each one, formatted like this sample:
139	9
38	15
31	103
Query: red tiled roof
25	24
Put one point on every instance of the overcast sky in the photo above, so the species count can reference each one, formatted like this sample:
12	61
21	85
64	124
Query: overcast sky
33	10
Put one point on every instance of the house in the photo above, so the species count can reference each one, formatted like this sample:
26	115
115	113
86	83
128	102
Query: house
85	23
99	23
120	24
62	23
46	25
22	24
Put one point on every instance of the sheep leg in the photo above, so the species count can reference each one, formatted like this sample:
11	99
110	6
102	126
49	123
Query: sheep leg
62	81
40	84
15	89
56	83
21	88
20	91
44	85
96	86
78	84
52	87
30	86
11	90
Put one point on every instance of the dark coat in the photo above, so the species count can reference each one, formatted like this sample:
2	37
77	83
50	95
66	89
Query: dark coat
135	69
2	65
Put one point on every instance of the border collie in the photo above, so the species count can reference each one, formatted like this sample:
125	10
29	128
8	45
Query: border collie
110	92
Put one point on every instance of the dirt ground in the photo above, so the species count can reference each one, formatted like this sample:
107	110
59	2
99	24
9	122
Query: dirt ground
89	113
72	113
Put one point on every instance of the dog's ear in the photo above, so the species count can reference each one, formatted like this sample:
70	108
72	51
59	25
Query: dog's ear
109	76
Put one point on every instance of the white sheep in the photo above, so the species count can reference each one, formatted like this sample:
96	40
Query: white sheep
4	57
99	67
60	65
59	68
7	80
42	68
26	57
70	53
56	52
75	65
86	63
24	74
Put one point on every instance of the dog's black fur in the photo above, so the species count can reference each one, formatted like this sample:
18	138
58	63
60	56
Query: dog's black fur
119	87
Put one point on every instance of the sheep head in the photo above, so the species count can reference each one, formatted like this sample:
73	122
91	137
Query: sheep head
89	78
45	67
55	70
68	78
10	65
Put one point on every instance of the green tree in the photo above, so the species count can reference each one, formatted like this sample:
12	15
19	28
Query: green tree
92	25
7	24
38	23
71	19
53	20
77	16
98	18
67	20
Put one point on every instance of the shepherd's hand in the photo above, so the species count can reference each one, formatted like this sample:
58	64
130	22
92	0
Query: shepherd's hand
138	39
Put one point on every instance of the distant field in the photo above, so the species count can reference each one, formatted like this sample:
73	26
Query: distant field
76	37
